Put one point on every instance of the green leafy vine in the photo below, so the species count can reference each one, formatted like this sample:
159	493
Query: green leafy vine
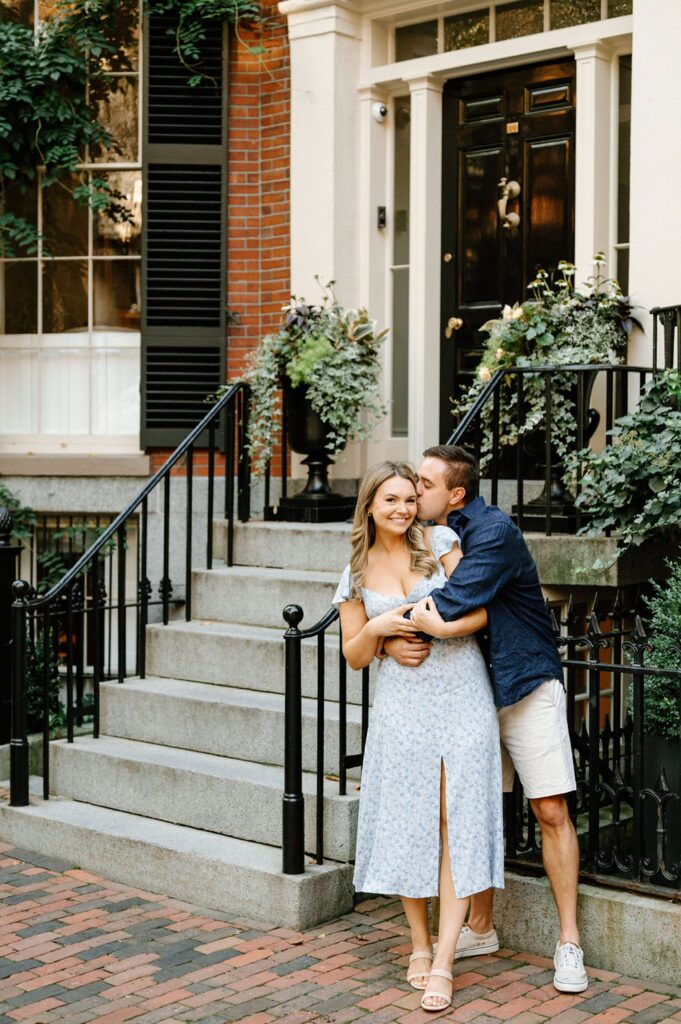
50	80
558	326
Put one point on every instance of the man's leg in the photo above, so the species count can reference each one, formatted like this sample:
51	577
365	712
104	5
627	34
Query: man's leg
560	852
535	733
479	936
481	917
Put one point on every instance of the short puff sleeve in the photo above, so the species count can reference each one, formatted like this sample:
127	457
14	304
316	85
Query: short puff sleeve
344	589
442	540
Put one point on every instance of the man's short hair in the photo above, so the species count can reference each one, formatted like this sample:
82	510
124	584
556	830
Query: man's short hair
462	468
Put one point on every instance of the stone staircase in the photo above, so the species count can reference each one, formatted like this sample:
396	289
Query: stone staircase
182	791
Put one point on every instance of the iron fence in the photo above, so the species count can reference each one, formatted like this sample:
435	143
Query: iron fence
538	454
92	621
627	807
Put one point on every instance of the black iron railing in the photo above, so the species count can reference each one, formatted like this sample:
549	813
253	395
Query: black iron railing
293	841
92	623
627	808
668	318
534	457
614	390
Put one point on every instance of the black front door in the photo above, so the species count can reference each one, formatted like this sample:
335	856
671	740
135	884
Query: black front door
517	125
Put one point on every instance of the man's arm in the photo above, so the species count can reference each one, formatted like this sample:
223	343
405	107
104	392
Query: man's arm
405	651
489	564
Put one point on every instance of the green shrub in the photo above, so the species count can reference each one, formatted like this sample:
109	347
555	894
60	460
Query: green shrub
632	486
661	705
35	668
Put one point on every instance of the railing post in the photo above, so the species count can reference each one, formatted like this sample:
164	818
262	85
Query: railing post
244	461
18	750
293	837
8	573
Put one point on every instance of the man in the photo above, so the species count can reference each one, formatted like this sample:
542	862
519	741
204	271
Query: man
498	572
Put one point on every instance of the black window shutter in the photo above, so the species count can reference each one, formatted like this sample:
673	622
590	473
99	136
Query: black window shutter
183	257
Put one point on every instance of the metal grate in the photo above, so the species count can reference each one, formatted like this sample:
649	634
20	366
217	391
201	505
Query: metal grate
177	382
184	285
179	112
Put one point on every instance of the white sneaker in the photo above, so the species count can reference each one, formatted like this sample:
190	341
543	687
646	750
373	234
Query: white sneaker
570	975
473	944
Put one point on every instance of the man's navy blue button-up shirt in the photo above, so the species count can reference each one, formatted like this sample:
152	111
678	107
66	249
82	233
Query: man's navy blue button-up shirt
498	573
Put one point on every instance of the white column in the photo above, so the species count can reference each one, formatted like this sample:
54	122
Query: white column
373	192
325	117
593	171
654	274
424	264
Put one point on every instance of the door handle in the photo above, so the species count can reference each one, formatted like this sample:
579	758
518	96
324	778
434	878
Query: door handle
455	323
509	190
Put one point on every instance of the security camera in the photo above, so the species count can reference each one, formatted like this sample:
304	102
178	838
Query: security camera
380	112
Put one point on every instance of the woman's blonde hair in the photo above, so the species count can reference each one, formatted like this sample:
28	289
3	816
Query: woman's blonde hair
364	529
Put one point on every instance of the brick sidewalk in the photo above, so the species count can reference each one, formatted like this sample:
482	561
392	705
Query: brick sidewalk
76	948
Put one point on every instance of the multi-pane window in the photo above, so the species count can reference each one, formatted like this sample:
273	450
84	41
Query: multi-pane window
70	315
623	172
400	270
497	21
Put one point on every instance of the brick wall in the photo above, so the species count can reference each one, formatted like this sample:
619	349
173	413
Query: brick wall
258	271
258	261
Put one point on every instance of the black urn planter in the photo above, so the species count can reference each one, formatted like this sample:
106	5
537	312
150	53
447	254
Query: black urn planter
563	512
308	436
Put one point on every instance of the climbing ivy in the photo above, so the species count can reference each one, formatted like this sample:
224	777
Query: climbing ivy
50	79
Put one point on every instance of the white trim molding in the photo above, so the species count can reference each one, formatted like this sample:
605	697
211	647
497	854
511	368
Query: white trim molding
424	259
315	18
593	157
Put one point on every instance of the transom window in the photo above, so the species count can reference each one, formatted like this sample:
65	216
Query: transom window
497	21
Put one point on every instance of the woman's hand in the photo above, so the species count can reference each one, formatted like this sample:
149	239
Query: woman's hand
393	623
428	619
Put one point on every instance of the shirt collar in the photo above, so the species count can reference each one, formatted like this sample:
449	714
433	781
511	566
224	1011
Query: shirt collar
469	511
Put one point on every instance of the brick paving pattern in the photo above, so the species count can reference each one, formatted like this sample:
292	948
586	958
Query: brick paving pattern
76	948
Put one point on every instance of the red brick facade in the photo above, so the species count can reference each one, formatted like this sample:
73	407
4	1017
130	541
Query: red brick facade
258	264
258	250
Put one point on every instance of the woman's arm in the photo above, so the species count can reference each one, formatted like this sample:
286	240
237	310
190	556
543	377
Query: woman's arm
428	619
362	635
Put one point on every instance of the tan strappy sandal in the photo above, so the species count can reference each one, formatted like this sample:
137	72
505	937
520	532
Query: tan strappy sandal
438	972
425	954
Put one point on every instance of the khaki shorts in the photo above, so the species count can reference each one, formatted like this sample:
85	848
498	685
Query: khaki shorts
535	743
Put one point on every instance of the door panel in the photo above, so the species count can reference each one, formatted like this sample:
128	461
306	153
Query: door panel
548	206
478	226
518	124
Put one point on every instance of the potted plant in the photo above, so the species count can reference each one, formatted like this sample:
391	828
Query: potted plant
558	326
325	358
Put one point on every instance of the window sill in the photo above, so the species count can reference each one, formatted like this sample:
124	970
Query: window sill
57	464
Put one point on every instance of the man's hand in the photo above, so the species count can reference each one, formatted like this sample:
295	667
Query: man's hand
406	651
428	619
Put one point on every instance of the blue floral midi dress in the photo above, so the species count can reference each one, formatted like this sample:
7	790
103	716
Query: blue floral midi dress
441	712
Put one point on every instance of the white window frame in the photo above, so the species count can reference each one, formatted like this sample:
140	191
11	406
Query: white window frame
39	347
468	8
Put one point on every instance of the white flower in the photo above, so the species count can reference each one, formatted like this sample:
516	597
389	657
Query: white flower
517	313
484	374
507	313
500	353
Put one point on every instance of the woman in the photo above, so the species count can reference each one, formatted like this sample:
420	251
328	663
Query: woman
430	813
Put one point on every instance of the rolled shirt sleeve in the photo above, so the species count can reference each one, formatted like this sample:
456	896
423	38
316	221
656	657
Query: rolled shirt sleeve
488	565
